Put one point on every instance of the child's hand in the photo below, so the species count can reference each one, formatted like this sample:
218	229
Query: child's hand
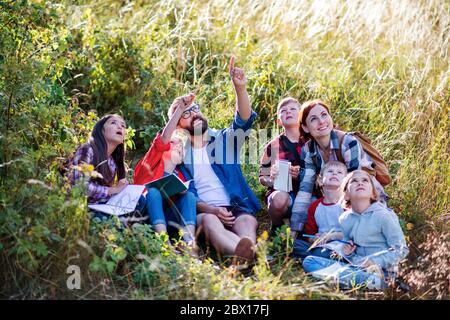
122	184
349	248
237	75
293	171
274	170
184	102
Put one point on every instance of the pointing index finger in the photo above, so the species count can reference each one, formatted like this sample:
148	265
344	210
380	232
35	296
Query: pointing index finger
231	64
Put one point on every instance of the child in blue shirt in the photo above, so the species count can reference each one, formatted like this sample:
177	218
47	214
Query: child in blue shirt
376	241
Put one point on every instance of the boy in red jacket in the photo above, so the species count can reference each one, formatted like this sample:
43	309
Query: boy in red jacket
163	158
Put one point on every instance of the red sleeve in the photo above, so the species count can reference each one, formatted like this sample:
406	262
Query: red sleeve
159	144
149	167
311	225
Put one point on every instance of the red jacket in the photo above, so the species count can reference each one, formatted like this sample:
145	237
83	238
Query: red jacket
151	167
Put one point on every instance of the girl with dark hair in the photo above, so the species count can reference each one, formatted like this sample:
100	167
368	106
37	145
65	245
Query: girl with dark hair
105	151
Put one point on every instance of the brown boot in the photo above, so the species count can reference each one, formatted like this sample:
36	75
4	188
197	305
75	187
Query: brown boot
244	252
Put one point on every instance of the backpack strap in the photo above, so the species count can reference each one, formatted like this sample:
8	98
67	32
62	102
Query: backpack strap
316	190
338	152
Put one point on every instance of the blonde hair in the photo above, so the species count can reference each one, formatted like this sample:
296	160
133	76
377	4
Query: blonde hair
333	163
347	203
180	134
330	164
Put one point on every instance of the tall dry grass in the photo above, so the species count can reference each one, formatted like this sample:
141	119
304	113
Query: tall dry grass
382	65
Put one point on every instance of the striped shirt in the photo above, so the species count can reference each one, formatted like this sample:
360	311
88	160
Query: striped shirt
354	157
96	191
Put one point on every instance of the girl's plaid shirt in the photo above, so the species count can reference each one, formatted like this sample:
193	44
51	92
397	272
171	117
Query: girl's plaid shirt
96	191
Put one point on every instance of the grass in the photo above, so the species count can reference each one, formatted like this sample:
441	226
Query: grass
383	66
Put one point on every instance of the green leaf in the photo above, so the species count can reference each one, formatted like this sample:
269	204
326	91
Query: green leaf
110	266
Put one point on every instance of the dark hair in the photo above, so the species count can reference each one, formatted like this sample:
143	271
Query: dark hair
304	112
100	147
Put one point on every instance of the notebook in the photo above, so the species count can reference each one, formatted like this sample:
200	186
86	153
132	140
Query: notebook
169	185
283	181
121	203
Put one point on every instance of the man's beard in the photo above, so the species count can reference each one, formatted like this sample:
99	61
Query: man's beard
194	131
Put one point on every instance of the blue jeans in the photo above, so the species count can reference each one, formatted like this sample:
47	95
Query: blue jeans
183	211
347	276
300	250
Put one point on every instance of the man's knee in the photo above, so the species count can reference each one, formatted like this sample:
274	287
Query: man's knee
210	221
247	220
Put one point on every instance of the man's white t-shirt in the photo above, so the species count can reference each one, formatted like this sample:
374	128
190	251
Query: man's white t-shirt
209	187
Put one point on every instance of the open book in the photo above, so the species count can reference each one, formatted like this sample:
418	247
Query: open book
121	203
283	181
169	185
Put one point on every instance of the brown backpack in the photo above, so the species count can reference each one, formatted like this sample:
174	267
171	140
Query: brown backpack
380	169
